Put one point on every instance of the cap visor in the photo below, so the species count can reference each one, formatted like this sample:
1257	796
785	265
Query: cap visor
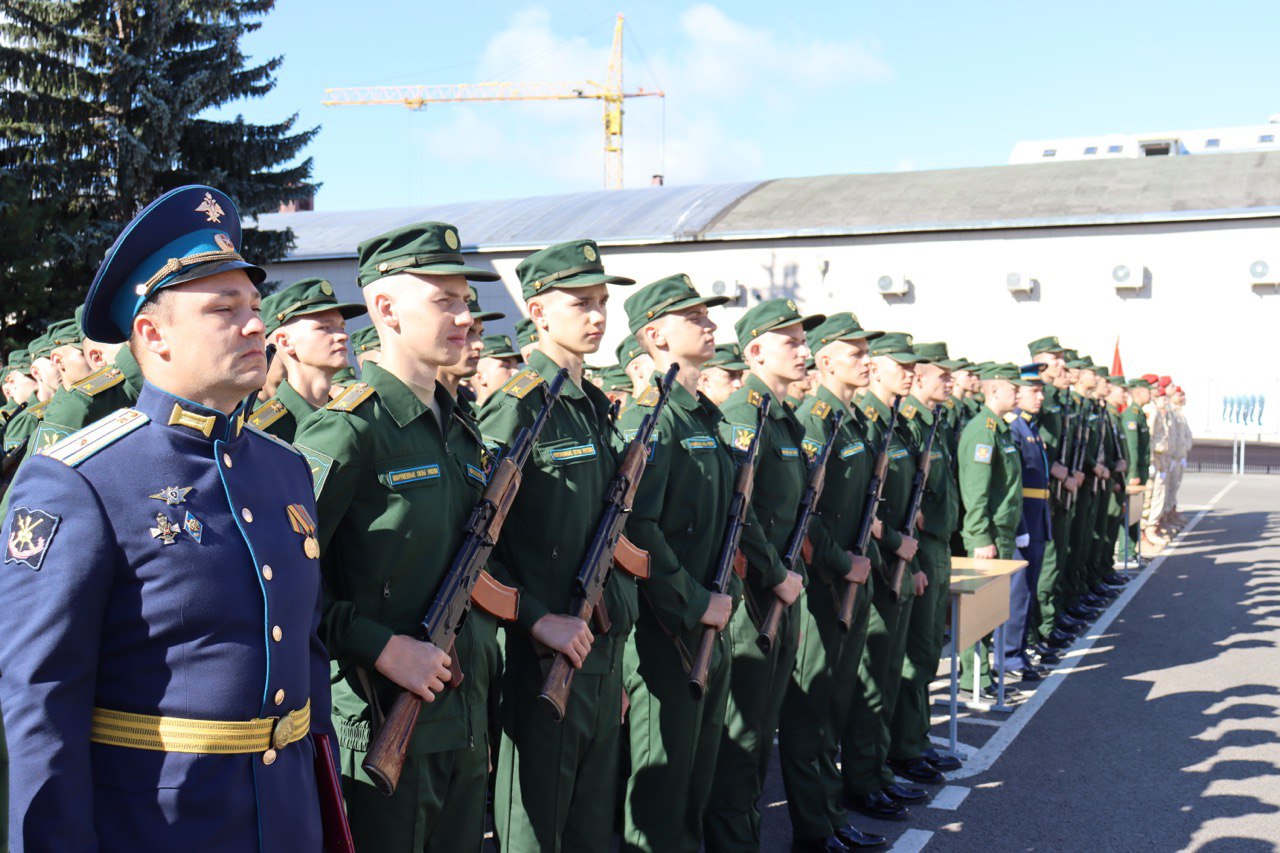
588	279
469	273
486	316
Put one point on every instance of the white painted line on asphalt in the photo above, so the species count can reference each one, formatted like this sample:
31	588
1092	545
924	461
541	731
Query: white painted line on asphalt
949	798
912	841
981	761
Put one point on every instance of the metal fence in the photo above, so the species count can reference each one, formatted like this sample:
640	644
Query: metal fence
1216	457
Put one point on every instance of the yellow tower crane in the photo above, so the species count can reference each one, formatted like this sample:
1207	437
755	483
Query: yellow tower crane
610	92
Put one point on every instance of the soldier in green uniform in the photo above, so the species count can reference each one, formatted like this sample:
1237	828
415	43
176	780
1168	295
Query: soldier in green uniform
1100	559
1108	580
911	755
397	472
771	335
869	785
499	361
366	346
65	360
679	517
307	325
455	377
109	388
826	670
990	487
556	781
1137	436
21	430
722	374
527	336
1080	602
635	363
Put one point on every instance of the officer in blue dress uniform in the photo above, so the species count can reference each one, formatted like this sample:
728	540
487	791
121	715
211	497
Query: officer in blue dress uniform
1036	528
162	672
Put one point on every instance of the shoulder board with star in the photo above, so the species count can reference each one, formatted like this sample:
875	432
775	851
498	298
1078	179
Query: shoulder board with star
269	437
1010	417
908	411
267	414
991	423
37	411
820	409
950	402
97	436
649	398
754	398
102	379
872	413
521	384
352	397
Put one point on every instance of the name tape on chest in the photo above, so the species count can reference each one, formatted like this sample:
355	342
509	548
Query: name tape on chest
401	477
852	450
699	443
562	455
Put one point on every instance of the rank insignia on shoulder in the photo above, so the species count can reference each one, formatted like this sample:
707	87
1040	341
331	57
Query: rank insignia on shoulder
83	444
871	412
351	397
991	423
30	535
267	414
172	495
521	384
950	403
649	398
982	453
821	409
37	411
194	528
319	463
165	530
754	397
742	436
99	381
908	411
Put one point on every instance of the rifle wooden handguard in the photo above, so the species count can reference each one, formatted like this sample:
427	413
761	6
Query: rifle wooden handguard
632	560
497	599
740	565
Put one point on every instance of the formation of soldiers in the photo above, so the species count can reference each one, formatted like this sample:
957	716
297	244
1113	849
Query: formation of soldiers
215	615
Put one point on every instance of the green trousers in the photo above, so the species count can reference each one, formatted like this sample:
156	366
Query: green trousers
815	706
1102	555
1050	596
864	741
909	730
438	805
1083	525
757	685
674	740
557	782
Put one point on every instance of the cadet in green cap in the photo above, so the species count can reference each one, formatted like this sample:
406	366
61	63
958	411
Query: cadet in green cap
991	486
397	473
722	374
1106	580
455	377
771	335
557	780
826	670
1078	601
869	786
798	390
307	325
527	336
22	428
616	385
62	361
911	754
366	345
499	361
636	363
1137	437
679	517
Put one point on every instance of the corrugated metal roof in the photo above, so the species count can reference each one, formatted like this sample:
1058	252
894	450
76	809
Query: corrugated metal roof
652	214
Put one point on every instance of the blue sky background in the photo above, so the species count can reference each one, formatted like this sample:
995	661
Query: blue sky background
754	89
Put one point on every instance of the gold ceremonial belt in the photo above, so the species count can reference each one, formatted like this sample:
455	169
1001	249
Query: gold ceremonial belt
1043	494
221	737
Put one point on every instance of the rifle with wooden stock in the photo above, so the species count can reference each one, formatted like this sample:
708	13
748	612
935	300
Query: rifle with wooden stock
875	494
727	563
1059	491
452	603
1077	453
799	532
1102	445
601	556
918	483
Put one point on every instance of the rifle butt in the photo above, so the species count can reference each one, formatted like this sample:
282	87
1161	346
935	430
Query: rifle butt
556	687
848	600
769	627
701	668
895	583
386	754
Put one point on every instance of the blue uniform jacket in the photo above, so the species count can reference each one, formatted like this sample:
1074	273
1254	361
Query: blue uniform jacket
1036	518
100	611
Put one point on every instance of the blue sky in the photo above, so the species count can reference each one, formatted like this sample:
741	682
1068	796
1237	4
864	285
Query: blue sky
754	90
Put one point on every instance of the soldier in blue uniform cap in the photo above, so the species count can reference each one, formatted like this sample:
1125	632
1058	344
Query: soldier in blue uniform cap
163	676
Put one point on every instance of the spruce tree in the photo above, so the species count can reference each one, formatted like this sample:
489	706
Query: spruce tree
107	106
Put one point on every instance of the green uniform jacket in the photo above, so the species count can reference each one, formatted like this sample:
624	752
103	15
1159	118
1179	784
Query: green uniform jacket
24	425
1138	438
941	504
834	529
682	505
281	414
556	513
990	482
393	491
109	389
902	469
1052	421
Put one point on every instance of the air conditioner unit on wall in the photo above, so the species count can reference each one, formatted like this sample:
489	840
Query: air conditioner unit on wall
1261	274
734	290
1129	276
893	285
1020	282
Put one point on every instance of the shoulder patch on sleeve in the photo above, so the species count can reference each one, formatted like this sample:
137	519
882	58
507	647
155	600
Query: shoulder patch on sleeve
83	444
352	397
99	381
982	453
821	409
258	431
1133	425
649	398
521	384
742	436
49	434
267	414
319	463
811	448
30	535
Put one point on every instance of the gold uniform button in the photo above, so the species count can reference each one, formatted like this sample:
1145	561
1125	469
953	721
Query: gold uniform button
267	573
226	459
277	634
269	757
279	697
246	515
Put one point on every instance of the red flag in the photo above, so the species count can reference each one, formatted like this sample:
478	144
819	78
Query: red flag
1117	369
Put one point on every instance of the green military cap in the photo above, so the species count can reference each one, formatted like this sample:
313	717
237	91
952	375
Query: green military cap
307	296
478	313
1100	370
65	333
810	363
1046	344
897	346
365	340
628	351
40	347
1139	383
770	315
567	265
936	352
1029	374
614	378
727	357
995	370
1083	362
526	332
20	360
673	293
426	247
1117	379
345	376
499	346
841	326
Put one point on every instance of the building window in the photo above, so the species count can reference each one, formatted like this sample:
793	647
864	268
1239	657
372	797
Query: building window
1092	149
1050	152
1212	143
1267	137
1115	149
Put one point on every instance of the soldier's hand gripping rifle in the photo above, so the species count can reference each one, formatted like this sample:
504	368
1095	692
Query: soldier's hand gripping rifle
1077	452
444	619
871	506
594	572
738	507
1058	488
799	532
1101	459
918	483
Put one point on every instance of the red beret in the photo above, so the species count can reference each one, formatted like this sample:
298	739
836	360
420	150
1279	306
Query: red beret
1151	377
1166	380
